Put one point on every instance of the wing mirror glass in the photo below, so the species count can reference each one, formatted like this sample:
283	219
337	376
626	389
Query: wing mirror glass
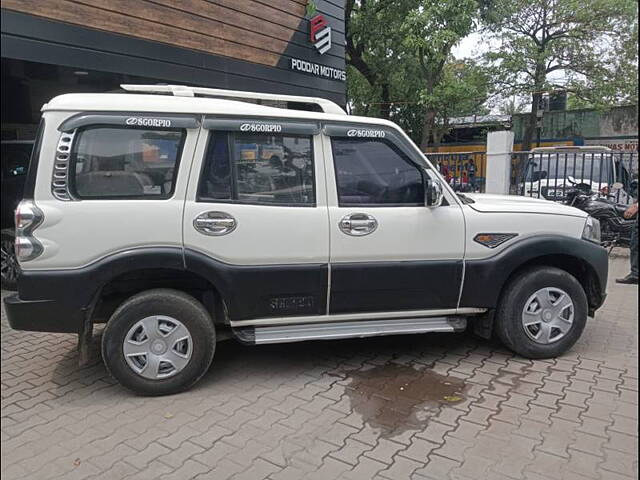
433	192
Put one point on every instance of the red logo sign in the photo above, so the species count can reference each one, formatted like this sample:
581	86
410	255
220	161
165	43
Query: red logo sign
320	33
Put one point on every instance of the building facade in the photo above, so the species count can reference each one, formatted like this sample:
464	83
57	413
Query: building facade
51	47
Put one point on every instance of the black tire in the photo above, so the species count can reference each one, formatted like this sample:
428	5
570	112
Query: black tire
508	325
10	268
167	302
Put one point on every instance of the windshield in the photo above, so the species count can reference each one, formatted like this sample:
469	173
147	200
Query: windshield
580	166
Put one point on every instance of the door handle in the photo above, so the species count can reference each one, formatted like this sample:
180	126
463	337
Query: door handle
215	224
358	224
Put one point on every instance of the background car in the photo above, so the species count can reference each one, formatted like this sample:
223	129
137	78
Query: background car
552	171
15	163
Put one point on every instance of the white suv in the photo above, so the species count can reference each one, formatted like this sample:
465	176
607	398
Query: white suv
171	212
551	172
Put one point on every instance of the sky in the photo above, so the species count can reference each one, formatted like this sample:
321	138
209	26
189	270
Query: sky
471	46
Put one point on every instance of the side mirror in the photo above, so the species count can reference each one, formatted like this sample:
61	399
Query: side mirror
433	193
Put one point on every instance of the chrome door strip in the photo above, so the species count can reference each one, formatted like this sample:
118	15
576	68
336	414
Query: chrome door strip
346	317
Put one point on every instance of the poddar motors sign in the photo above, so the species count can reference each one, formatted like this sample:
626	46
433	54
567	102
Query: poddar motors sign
320	37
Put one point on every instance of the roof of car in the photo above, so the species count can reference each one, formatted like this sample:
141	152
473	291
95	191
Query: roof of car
133	102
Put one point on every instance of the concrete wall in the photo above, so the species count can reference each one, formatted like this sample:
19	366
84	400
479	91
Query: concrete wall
616	122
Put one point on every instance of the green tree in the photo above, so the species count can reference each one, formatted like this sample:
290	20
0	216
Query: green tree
431	32
399	63
462	90
587	47
373	35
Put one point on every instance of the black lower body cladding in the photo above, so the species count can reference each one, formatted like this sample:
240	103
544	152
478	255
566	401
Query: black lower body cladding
389	286
255	291
43	315
58	300
485	278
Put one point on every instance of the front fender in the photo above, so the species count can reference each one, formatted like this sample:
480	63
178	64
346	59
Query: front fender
485	278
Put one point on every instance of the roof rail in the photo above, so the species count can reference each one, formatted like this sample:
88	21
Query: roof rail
327	106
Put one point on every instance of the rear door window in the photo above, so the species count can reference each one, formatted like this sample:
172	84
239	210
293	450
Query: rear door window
114	162
256	168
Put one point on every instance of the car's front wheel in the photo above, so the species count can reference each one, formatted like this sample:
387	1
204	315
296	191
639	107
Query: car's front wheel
159	342
542	313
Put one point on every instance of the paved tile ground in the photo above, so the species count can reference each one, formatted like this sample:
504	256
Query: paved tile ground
422	407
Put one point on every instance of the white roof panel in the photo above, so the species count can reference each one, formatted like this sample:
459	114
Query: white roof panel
131	102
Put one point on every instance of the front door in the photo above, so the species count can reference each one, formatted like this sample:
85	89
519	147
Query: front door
389	251
256	219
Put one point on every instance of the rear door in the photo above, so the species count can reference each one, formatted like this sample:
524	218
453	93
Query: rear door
256	217
389	252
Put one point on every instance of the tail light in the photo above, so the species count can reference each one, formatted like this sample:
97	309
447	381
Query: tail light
28	218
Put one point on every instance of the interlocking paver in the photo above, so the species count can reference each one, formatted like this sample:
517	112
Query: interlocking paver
290	411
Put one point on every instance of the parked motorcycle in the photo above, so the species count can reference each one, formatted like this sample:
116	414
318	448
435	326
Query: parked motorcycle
615	229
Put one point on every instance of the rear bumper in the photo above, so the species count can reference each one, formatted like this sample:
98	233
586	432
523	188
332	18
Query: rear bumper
42	315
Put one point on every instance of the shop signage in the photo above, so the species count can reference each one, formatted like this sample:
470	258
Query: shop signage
318	70
320	38
320	33
617	144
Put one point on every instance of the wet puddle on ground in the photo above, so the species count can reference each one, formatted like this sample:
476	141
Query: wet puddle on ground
394	398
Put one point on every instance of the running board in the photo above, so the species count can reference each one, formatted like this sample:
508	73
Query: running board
357	329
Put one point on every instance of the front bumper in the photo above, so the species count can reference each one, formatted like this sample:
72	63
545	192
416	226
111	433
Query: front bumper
42	315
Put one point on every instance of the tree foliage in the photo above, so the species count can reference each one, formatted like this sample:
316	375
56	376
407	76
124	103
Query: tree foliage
400	65
586	47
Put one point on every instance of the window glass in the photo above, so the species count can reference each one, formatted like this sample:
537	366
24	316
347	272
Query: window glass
259	168
216	176
374	172
114	162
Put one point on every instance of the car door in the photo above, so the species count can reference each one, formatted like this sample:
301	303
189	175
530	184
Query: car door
389	252
256	219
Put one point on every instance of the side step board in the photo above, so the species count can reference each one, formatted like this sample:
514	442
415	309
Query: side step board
354	329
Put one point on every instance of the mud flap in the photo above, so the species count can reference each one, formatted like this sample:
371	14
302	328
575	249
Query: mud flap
483	325
85	337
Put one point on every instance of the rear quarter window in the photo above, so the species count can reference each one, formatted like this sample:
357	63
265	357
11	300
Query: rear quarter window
110	162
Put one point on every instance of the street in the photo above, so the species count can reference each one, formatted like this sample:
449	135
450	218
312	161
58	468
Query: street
432	406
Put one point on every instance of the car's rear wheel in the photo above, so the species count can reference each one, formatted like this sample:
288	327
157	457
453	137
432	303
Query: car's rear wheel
542	313
159	342
9	268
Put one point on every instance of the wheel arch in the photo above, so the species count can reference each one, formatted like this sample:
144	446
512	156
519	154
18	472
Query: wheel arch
486	279
115	291
91	293
578	267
